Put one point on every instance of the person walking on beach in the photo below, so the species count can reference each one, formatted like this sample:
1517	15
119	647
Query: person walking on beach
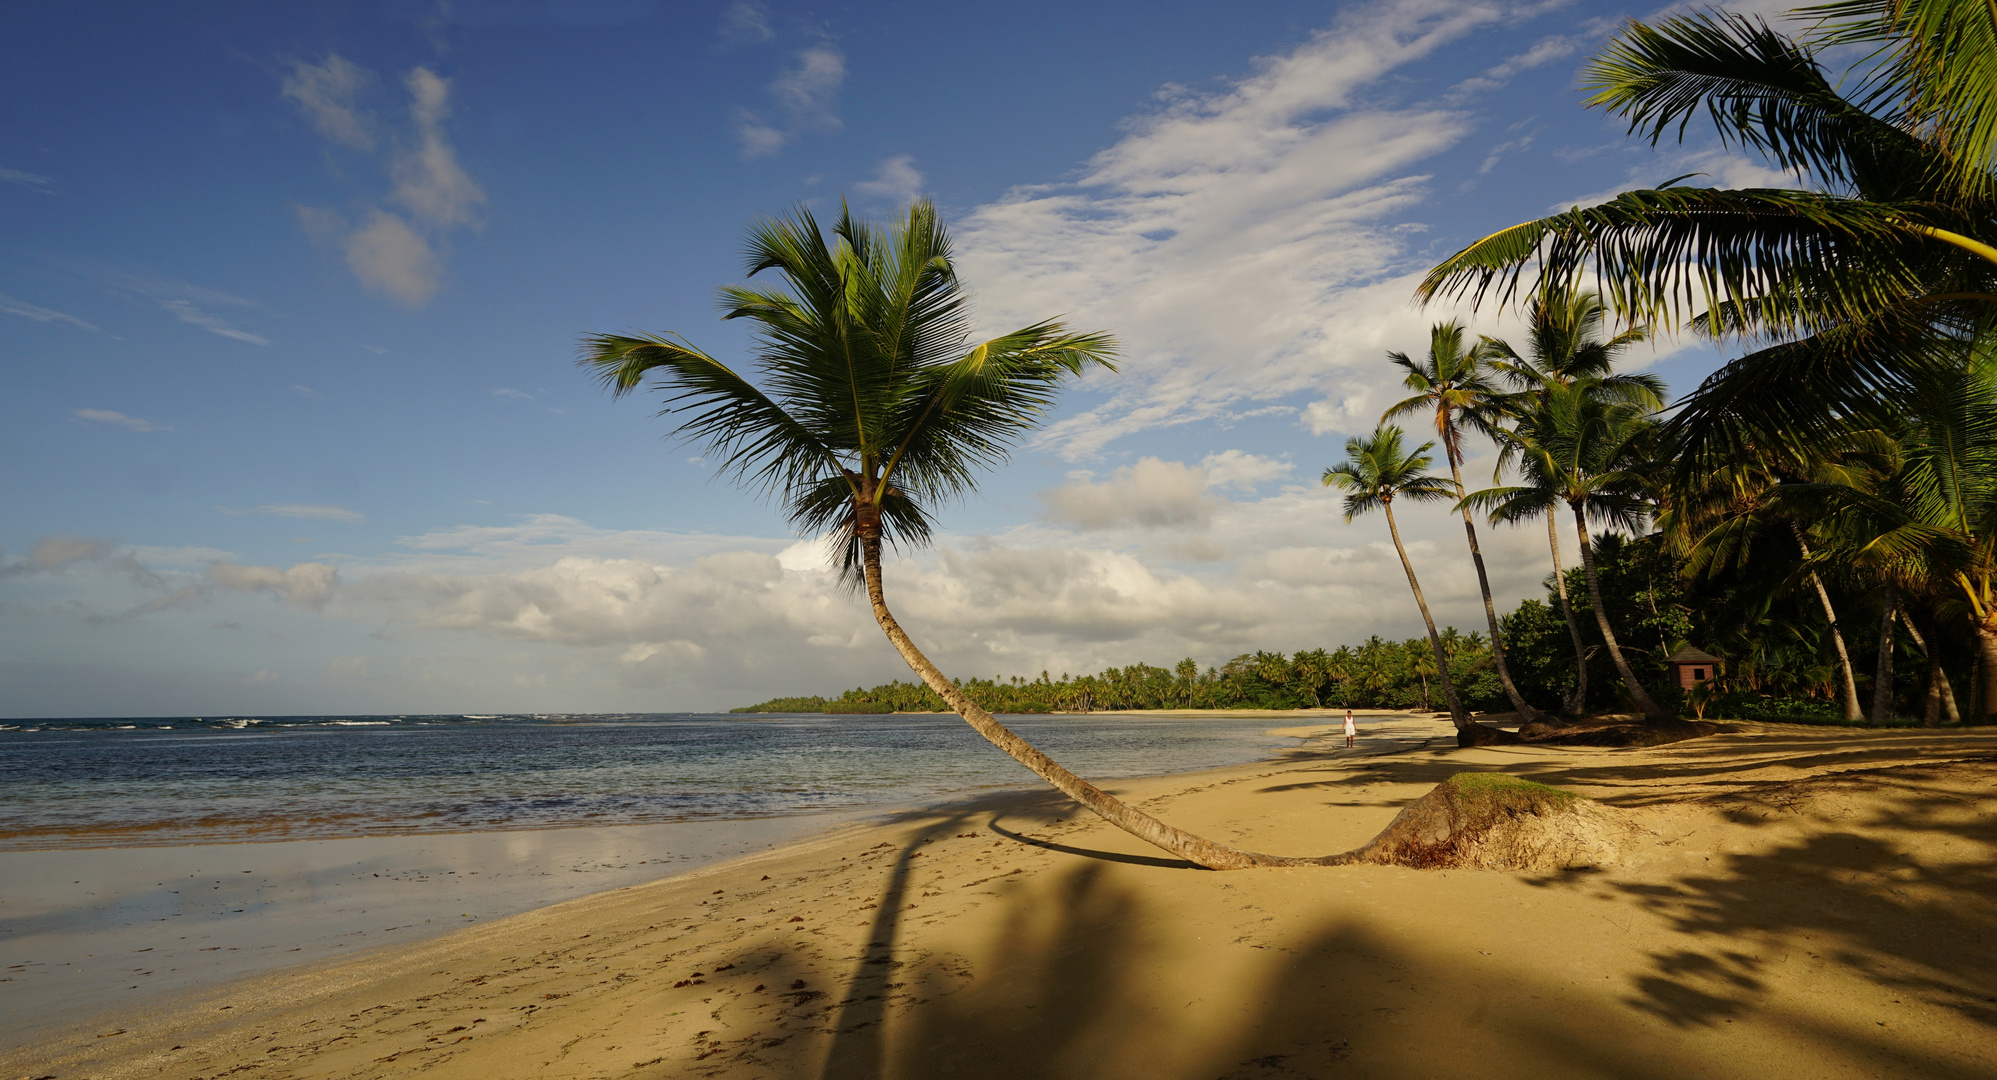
1351	728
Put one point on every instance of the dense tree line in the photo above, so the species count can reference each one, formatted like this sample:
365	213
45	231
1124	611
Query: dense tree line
1377	674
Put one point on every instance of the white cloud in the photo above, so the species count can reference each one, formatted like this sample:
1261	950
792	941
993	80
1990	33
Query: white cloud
306	511
399	255
307	585
1542	53
429	182
1240	469
745	23
118	419
392	260
186	312
511	394
328	93
897	180
12	306
1151	493
807	97
1243	243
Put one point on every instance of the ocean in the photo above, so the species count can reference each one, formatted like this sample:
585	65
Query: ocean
196	780
142	860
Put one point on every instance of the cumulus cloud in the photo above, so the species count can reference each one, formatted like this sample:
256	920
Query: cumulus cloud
897	180
805	98
391	259
306	511
1151	493
1158	494
26	310
306	585
118	419
1245	243
396	253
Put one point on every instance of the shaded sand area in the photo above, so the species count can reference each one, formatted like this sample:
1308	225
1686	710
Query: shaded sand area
1803	902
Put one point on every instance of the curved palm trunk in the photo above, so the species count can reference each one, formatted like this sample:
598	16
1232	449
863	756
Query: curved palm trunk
1578	703
1642	696
1104	805
1526	712
1852	713
1882	679
1456	714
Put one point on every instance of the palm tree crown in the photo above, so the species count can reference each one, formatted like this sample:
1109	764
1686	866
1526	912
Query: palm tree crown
873	402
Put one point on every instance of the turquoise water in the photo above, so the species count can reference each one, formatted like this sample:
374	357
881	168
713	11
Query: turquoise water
193	780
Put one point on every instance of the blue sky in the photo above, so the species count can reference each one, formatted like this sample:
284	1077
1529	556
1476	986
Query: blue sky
289	303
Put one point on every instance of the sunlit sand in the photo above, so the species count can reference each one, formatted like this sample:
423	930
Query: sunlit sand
1809	902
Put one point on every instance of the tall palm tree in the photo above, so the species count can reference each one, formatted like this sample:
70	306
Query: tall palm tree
874	403
1581	449
1566	340
1451	381
1849	287
1377	471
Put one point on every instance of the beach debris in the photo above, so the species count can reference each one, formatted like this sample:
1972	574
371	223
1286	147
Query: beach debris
1491	821
798	985
795	918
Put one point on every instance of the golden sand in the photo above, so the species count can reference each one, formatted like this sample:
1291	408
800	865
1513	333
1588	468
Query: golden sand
1808	903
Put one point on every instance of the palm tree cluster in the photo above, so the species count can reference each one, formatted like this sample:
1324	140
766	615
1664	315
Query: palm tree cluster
1377	674
1860	421
1850	451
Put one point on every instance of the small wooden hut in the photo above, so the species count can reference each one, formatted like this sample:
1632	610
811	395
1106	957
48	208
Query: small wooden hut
1690	667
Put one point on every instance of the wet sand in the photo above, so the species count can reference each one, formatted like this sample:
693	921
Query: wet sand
1808	903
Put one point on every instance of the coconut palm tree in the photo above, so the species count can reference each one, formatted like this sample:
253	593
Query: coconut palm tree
1849	287
1580	448
1453	383
873	404
1378	470
1566	340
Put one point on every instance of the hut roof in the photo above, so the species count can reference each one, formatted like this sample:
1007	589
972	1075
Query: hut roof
1690	655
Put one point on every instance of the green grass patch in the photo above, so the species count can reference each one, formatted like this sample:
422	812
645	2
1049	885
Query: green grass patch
1488	785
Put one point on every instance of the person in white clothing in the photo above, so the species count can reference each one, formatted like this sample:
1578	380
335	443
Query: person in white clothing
1351	728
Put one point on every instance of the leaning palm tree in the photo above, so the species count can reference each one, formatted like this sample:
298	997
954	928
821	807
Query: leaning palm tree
874	403
1580	448
1452	382
1377	471
1566	340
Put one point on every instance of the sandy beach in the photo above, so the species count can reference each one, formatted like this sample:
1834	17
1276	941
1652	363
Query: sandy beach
1806	902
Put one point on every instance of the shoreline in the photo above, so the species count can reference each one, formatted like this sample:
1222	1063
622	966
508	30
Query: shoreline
910	945
203	913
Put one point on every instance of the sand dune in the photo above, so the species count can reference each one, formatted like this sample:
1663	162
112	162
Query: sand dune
1809	903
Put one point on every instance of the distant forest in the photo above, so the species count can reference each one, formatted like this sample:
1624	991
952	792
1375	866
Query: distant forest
1776	659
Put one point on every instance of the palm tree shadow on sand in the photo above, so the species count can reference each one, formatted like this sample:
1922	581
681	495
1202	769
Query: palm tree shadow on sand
1069	983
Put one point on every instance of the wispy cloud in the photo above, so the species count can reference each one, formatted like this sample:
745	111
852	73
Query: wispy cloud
1543	52
1246	243
118	419
24	178
745	23
806	98
186	312
511	394
897	180
395	251
327	93
308	511
12	306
